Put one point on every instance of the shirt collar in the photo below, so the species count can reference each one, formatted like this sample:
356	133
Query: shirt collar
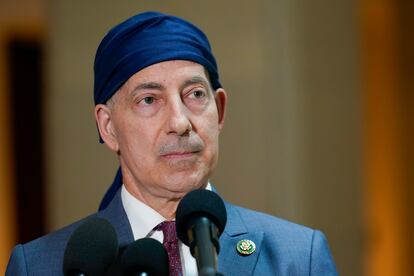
142	218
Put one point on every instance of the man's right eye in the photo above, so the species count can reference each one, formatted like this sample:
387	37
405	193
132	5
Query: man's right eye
148	100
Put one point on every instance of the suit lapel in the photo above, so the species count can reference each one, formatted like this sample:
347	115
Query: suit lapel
230	262
116	215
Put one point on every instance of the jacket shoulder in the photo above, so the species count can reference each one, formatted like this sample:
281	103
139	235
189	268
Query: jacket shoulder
42	256
286	248
271	225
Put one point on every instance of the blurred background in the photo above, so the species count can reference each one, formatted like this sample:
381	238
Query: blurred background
319	130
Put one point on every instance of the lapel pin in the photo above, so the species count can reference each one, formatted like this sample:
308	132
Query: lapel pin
246	247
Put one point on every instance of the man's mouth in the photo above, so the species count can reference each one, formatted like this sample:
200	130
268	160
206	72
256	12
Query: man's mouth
180	154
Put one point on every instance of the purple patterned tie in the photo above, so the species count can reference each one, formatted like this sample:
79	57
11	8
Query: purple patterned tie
171	246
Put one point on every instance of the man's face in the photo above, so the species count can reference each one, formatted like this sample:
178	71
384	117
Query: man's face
164	123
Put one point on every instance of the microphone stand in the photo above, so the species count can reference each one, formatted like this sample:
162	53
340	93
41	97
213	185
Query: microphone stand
203	243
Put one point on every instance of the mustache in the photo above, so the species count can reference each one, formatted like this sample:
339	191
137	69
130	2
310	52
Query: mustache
181	145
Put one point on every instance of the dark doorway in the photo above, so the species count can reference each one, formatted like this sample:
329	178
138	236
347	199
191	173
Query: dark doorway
25	58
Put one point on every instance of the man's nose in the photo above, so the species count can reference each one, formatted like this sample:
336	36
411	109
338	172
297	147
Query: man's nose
178	121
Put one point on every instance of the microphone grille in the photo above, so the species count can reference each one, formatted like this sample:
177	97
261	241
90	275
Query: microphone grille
200	203
144	255
91	248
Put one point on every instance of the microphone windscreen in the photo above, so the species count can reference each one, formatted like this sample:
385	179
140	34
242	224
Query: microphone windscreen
200	203
144	255
91	248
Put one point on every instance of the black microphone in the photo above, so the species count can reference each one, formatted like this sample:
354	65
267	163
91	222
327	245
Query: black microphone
91	248
200	219
143	257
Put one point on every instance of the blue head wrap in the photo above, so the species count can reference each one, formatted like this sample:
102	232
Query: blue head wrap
141	41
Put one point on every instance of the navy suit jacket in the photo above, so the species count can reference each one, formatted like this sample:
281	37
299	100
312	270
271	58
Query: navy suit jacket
282	248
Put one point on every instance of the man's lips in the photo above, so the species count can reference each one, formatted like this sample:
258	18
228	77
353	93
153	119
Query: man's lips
183	154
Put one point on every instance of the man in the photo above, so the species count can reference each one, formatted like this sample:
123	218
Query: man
160	107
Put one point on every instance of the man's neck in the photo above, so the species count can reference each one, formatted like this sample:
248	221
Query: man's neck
165	206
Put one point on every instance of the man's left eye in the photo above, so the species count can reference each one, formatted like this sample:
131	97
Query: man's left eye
198	94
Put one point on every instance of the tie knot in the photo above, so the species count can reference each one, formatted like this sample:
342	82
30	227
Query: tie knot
168	230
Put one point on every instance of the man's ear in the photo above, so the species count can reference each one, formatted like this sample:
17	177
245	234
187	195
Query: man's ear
106	129
221	103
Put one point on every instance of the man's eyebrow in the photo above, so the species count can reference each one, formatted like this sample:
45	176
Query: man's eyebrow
197	80
149	85
145	86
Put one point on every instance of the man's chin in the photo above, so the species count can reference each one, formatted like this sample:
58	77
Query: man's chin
185	185
184	165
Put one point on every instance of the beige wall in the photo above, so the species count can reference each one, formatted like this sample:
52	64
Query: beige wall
291	141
